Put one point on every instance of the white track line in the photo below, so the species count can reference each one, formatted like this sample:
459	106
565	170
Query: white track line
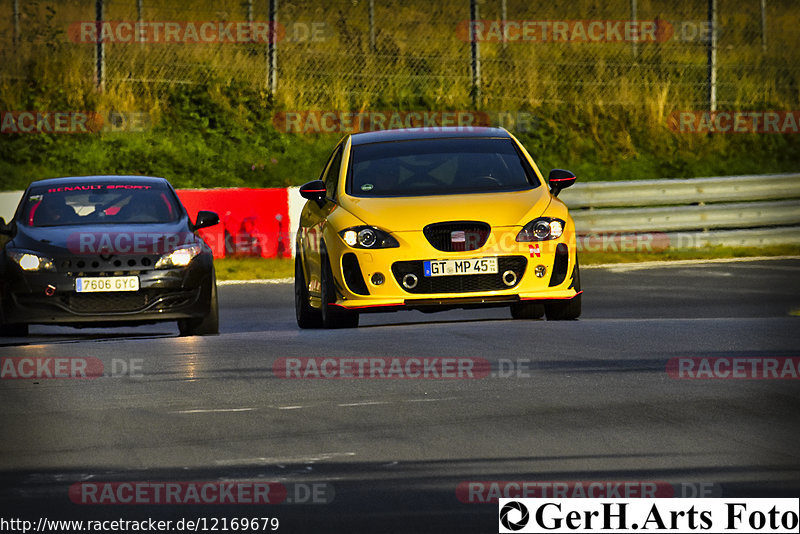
263	281
365	403
286	460
216	410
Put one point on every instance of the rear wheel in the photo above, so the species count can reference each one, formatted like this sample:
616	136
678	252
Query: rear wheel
307	317
332	316
527	310
204	326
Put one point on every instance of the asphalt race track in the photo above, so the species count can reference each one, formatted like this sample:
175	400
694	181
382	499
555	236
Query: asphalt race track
575	401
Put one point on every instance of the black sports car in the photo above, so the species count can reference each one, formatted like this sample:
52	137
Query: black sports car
105	250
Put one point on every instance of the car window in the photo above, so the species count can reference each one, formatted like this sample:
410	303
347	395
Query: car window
438	167
331	174
99	203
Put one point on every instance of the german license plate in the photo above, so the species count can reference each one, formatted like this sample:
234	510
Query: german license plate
106	283
459	267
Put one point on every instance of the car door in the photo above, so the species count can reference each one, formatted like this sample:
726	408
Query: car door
314	218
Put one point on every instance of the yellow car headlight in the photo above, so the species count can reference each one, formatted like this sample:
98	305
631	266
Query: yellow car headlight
368	237
541	229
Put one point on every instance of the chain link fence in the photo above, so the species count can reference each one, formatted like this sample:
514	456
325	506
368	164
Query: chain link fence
410	54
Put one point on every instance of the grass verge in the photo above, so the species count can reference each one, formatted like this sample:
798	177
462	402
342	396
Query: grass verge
253	268
599	258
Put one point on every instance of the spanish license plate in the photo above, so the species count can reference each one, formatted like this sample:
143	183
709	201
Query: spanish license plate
106	283
459	267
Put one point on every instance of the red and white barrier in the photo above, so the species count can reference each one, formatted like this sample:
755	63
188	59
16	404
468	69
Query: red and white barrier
253	222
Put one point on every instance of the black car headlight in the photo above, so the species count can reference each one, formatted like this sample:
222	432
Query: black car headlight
541	229
31	261
368	237
180	257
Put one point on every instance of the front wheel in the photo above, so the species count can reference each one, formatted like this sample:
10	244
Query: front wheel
204	326
307	317
561	310
527	310
333	317
564	310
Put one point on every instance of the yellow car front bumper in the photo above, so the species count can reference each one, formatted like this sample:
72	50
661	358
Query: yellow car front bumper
374	281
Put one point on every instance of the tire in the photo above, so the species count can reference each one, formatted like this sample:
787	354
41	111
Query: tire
527	310
13	330
307	317
333	317
565	310
204	326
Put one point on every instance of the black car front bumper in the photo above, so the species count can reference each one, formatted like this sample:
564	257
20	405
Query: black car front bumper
163	295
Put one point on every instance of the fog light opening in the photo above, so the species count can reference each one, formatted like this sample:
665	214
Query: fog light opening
410	281
509	278
540	271
377	279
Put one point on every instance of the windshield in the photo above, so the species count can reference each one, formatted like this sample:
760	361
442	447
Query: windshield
438	167
99	203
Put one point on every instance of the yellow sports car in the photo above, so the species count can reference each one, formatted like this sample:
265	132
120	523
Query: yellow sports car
434	219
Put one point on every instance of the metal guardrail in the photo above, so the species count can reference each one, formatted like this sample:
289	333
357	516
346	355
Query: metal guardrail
683	191
736	211
759	237
8	203
740	215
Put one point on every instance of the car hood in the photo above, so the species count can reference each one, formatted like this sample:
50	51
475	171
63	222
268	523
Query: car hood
401	214
95	239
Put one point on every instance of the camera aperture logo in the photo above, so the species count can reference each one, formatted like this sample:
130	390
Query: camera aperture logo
514	515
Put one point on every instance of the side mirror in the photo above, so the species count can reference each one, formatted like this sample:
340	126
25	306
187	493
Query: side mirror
5	228
314	191
205	219
560	179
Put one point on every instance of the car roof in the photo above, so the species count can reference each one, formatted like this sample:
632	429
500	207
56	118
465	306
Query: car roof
438	132
113	178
